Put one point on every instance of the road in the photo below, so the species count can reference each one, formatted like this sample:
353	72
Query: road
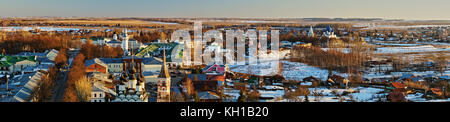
61	86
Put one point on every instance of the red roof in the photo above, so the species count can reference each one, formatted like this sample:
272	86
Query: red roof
398	85
437	91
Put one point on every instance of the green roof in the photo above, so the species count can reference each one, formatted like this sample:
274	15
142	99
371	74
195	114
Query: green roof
14	59
4	64
153	47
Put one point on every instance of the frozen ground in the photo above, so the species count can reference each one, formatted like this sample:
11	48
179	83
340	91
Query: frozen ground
418	98
410	49
359	94
290	71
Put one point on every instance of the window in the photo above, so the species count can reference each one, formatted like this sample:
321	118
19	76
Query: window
100	95
95	95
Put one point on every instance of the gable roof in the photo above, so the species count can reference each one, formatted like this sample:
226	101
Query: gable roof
208	95
111	60
208	67
10	60
152	60
197	77
95	61
24	94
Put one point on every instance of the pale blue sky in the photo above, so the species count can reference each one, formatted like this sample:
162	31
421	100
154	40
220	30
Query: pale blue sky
391	9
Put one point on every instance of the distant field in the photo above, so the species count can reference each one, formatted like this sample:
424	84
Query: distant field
130	22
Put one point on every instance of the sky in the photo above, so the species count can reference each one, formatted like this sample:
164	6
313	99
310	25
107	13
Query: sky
387	9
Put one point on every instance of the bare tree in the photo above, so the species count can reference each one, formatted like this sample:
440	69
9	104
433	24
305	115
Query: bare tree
83	88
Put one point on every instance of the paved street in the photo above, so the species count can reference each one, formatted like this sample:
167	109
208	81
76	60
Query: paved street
61	85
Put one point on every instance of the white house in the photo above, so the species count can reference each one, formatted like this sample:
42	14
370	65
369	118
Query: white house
97	94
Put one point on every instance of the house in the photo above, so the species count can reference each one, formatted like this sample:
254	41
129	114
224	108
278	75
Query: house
14	64
114	43
30	83
214	69
338	80
208	96
100	40
100	93
152	68
97	94
114	65
134	44
399	85
101	77
201	82
49	54
285	44
96	65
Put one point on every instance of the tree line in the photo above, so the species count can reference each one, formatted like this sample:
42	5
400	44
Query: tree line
91	51
23	41
76	73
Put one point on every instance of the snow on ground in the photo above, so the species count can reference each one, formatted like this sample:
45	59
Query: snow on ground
373	26
291	70
273	87
306	83
367	94
410	49
232	92
415	97
399	74
418	98
299	71
344	50
271	93
397	44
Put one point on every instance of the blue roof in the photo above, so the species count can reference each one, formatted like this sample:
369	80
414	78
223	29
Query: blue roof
114	41
445	77
46	60
201	77
93	61
208	95
24	94
148	73
31	54
111	60
151	60
329	29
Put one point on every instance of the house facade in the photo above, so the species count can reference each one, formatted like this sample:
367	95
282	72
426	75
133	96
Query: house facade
96	65
14	64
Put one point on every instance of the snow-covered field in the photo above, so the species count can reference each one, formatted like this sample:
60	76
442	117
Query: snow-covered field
291	70
359	94
378	26
410	49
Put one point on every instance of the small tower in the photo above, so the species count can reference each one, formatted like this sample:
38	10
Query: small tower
125	43
311	32
115	36
164	82
329	32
